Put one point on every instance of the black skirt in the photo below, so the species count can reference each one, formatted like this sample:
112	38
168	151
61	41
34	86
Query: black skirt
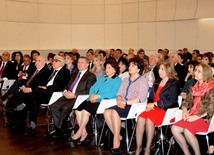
121	112
89	107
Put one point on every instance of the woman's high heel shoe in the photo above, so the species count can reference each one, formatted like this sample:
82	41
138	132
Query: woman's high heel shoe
117	151
70	139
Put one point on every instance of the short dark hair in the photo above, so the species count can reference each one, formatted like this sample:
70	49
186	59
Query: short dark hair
114	64
139	63
102	52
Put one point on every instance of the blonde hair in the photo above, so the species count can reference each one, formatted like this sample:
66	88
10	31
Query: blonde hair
98	57
206	72
170	69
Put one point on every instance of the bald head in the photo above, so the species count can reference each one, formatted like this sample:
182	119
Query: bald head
5	56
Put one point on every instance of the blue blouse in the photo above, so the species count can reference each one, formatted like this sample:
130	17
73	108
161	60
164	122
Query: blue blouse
106	87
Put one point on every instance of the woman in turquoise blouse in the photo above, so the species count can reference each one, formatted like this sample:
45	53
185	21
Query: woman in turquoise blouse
105	87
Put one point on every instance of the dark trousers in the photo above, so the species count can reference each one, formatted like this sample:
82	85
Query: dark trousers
61	110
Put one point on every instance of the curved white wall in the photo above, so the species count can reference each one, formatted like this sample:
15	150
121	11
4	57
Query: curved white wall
65	24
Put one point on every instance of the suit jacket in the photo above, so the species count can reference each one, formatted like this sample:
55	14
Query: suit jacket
155	71
85	83
41	79
60	81
9	71
168	94
31	69
182	72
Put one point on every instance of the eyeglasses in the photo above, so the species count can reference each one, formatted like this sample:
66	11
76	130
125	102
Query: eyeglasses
56	60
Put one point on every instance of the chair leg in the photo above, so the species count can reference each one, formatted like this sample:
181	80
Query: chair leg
101	134
95	129
130	143
127	136
170	144
161	136
207	138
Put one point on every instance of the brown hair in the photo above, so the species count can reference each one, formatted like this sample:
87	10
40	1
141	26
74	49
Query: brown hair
170	69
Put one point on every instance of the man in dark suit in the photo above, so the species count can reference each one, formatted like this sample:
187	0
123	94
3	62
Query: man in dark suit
79	84
42	94
26	69
153	63
38	78
180	69
7	68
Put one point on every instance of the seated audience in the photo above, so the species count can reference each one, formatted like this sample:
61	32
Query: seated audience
50	58
148	74
42	94
106	87
70	63
79	84
133	89
164	95
197	110
180	69
25	70
189	79
7	68
153	64
123	68
98	68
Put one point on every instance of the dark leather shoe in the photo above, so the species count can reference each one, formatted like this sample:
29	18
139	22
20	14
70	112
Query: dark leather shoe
85	141
30	132
116	151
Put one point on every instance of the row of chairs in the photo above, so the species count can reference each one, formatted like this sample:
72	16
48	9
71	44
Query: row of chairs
171	114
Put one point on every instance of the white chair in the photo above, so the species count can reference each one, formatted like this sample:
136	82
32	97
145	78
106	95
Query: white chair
210	130
4	87
7	84
131	115
169	119
55	96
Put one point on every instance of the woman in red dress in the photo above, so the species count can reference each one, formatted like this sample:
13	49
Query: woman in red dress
163	96
200	105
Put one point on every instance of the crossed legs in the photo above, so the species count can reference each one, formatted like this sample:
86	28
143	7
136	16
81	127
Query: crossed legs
184	136
114	122
82	120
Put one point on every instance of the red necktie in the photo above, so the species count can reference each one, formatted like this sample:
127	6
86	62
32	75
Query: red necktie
2	69
20	78
32	77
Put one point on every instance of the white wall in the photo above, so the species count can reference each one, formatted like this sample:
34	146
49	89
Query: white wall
48	25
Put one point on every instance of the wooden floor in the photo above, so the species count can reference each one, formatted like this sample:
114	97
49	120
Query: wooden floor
13	143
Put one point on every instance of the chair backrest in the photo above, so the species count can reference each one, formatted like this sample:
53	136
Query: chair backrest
179	101
211	126
55	96
7	84
169	116
79	100
105	104
136	109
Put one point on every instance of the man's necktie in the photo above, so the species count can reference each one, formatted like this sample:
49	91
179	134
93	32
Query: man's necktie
52	75
74	82
25	67
32	77
2	69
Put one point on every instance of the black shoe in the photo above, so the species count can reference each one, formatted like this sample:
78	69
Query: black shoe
116	151
57	134
30	132
4	97
85	141
70	139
